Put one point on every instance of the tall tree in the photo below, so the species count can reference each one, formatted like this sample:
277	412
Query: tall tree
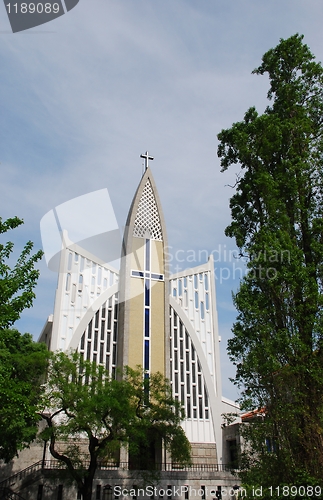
22	361
93	414
277	221
17	283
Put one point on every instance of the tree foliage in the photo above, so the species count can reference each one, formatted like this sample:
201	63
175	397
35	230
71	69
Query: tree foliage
17	283
277	221
93	414
22	364
157	419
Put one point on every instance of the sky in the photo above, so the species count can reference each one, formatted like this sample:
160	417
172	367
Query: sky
85	94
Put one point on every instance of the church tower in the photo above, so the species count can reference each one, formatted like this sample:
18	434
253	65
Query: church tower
143	310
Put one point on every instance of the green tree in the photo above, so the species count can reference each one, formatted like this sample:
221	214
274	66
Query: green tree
93	414
17	283
22	362
157	421
277	221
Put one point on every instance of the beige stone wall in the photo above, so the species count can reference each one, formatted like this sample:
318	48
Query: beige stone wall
158	328
204	453
136	308
138	255
136	318
25	458
157	257
135	305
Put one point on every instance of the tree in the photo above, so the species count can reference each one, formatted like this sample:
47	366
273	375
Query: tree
93	414
16	284
22	362
277	221
157	420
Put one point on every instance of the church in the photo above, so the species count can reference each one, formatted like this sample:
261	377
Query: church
143	315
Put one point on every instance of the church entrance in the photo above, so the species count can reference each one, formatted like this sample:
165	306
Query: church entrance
148	454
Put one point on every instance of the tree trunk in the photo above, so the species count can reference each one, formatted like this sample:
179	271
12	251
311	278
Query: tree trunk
86	491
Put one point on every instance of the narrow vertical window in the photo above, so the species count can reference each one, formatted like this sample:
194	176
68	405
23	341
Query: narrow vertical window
180	288
188	407
73	293
80	287
206	399
182	395
202	310
146	364
175	338
147	322
89	330
147	293
88	354
188	385
115	331
200	408
101	352
102	327
147	266
69	264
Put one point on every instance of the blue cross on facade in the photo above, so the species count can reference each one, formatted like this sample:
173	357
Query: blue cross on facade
148	276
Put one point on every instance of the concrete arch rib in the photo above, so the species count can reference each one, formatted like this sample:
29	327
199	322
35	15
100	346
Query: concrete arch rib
89	315
214	399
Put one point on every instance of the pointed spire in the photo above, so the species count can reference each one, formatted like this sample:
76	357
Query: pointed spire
147	222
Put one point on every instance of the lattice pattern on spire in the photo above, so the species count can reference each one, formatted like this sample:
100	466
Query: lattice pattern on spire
147	222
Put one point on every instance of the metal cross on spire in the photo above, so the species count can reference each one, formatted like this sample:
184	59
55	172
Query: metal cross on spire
147	158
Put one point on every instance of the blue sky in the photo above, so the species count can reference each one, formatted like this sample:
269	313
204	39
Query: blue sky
84	95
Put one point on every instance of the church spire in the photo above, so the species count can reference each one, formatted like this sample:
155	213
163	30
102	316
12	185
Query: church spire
144	312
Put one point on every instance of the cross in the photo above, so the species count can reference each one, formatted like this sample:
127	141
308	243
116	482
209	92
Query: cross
148	277
147	158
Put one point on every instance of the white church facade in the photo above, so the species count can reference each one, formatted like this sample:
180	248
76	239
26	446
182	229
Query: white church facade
143	315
